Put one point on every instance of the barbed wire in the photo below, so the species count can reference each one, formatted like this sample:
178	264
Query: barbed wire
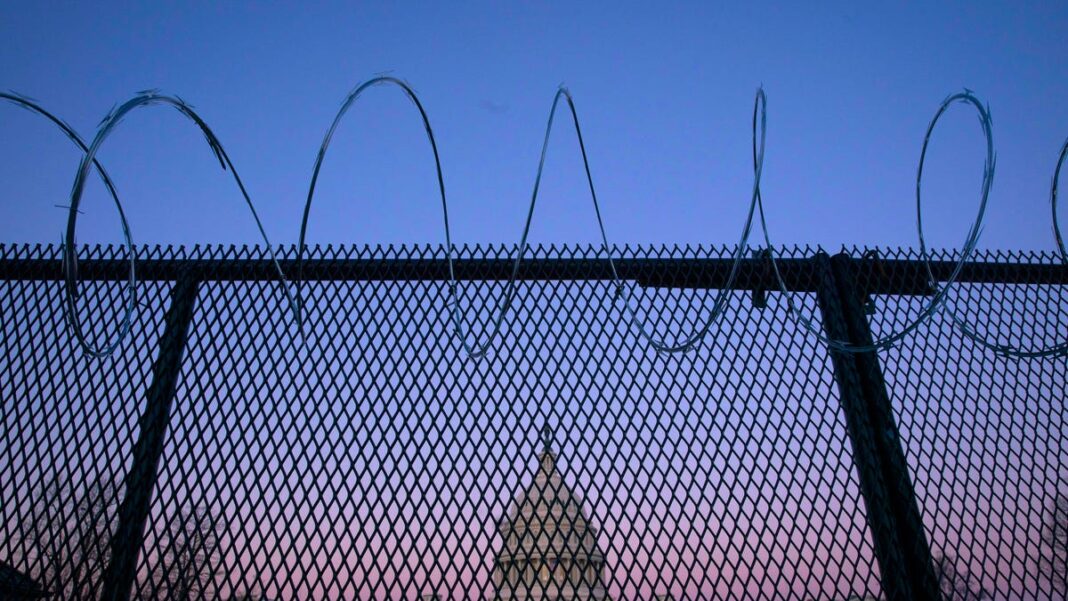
109	123
71	268
478	349
938	299
1053	200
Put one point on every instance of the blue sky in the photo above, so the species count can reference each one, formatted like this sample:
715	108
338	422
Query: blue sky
665	95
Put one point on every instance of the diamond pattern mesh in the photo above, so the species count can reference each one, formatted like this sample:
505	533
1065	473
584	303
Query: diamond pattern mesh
368	458
985	437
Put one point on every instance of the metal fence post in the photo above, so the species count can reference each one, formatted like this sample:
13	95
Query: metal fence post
901	546
140	482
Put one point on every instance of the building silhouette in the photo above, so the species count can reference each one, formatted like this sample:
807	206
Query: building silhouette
550	551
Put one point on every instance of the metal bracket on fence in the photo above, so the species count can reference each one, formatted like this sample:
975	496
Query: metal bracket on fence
760	293
141	480
877	267
895	525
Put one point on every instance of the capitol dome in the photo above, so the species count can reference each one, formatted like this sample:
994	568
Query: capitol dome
550	550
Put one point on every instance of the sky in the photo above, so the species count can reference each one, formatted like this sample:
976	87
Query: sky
664	93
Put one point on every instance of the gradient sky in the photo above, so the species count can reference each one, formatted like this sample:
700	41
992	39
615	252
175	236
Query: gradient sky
665	95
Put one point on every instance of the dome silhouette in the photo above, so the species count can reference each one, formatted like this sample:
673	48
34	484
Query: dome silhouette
550	550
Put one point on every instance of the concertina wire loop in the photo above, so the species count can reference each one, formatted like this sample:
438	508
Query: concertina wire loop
477	350
113	118
131	282
940	292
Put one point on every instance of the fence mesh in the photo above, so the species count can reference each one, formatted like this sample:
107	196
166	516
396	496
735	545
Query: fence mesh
368	458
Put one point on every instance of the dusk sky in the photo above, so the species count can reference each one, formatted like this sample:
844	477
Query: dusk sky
665	95
723	472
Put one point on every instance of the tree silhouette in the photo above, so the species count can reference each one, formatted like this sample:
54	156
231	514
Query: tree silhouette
188	561
1054	560
67	537
957	584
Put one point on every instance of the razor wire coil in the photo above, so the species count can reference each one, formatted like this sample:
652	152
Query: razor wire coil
478	348
112	120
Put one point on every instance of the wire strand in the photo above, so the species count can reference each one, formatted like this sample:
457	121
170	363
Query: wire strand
479	346
110	122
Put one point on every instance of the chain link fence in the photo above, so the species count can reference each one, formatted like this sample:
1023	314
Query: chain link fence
222	453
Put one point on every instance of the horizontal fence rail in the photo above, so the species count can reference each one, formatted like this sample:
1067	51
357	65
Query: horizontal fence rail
880	276
224	453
